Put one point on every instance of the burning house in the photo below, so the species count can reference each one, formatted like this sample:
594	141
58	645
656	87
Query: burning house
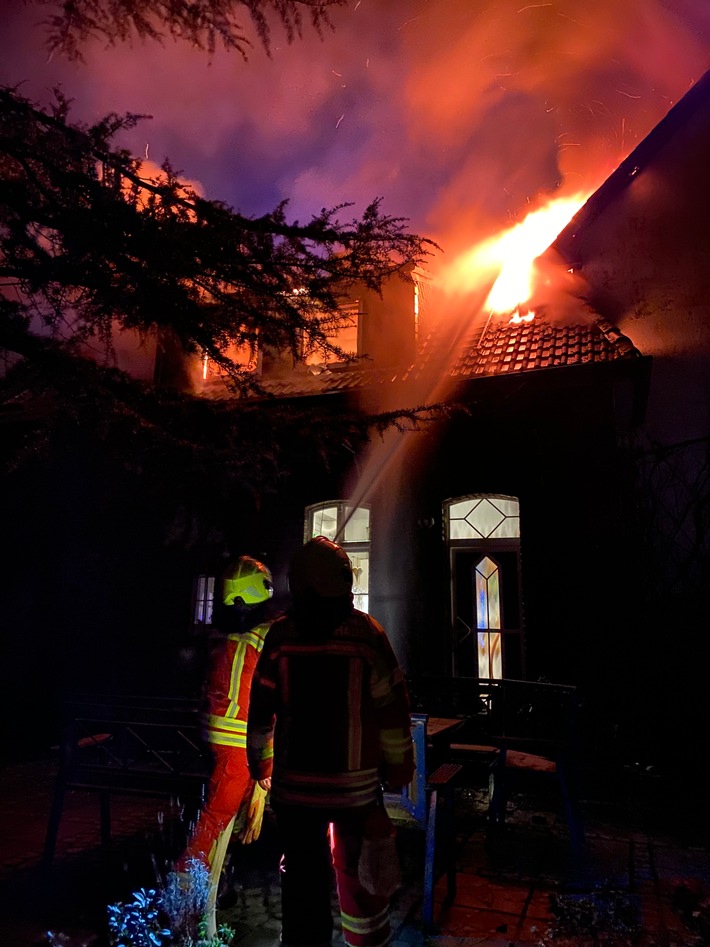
554	525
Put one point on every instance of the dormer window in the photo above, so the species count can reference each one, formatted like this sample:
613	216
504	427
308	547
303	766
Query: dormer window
346	337
246	356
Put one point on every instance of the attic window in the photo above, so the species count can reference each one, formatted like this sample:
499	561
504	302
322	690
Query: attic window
246	356
346	337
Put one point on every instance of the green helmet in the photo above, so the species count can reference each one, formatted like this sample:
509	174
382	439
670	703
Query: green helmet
248	580
323	567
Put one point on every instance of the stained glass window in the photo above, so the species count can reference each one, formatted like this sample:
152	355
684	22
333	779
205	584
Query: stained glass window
484	517
490	662
482	531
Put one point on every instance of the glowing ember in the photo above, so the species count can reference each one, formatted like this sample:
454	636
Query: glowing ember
512	254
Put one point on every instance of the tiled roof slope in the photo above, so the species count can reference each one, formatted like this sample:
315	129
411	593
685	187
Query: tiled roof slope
531	345
497	349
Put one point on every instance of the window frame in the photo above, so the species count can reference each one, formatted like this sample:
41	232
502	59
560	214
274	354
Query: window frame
315	360
342	508
203	591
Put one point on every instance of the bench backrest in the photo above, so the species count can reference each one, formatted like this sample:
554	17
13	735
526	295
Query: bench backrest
139	744
537	714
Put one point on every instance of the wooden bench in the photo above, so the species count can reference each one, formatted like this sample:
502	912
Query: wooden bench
146	746
510	728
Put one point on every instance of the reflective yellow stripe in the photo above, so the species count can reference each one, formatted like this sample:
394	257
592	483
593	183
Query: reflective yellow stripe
236	675
224	723
364	925
261	743
395	744
228	739
256	636
385	939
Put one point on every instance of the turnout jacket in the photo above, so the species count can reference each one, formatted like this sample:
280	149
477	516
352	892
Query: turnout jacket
228	687
329	718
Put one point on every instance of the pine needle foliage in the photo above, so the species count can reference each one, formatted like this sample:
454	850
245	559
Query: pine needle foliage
205	24
91	244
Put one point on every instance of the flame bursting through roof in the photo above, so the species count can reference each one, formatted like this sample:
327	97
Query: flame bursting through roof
512	255
497	276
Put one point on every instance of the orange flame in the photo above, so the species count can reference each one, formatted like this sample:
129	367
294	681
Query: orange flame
512	255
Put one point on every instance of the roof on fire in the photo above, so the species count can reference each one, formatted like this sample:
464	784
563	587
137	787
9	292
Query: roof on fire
493	349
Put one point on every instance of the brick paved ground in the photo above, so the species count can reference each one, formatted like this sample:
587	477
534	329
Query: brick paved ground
641	881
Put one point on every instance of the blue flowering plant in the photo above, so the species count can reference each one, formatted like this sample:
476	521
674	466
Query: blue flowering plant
138	924
175	916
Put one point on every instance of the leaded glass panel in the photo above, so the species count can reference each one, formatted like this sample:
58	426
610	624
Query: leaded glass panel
490	661
487	594
484	517
490	655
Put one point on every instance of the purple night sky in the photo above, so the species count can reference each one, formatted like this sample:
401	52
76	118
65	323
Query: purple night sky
460	115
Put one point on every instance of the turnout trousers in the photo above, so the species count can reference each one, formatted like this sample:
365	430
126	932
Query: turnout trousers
208	843
315	844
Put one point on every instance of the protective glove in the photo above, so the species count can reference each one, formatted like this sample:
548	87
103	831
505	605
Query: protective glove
247	826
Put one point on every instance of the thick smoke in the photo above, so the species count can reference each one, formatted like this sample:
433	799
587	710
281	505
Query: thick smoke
461	115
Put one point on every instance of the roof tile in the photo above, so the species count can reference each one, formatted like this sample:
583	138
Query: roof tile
498	349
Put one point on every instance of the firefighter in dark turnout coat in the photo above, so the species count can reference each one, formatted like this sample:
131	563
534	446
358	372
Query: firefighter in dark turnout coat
329	724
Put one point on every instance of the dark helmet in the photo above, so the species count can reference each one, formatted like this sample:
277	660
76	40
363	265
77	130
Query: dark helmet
247	580
321	566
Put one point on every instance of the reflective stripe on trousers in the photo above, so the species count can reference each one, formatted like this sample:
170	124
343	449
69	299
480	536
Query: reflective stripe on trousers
307	868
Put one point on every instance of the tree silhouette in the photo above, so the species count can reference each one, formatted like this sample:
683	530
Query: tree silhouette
92	244
202	23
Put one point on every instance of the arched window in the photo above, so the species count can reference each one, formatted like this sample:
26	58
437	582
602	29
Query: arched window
350	528
483	536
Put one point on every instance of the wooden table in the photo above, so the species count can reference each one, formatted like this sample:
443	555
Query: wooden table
438	728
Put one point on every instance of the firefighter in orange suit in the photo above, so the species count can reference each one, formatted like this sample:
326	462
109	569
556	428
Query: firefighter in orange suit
240	613
329	723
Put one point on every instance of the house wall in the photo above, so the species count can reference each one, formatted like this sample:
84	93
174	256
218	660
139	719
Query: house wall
646	260
645	256
551	440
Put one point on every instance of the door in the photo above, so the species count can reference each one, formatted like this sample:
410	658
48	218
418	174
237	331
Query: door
486	603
